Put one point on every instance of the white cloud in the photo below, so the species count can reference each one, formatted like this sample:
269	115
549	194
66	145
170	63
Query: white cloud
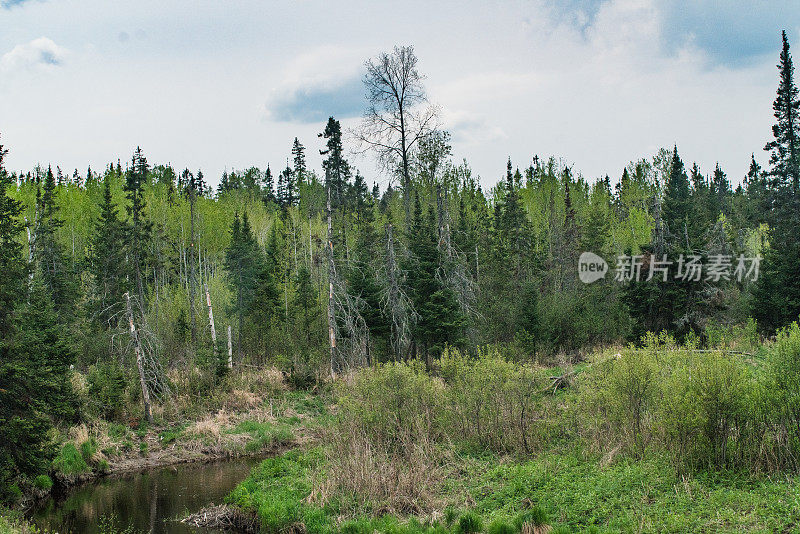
316	84
39	53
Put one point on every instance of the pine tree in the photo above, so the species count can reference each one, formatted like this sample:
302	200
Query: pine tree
34	388
12	265
776	299
785	148
440	321
299	155
269	187
107	257
139	229
50	259
304	303
243	264
361	274
337	170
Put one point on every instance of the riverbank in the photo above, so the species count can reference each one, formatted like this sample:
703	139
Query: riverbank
659	439
253	413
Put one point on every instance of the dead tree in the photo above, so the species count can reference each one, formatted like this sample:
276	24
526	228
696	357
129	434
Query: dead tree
453	271
347	330
395	303
137	347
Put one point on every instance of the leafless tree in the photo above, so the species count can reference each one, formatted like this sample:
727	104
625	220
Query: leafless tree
397	116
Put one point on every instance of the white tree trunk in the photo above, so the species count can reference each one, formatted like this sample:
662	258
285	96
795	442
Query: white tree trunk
137	347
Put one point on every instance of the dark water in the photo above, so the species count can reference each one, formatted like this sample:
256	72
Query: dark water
148	501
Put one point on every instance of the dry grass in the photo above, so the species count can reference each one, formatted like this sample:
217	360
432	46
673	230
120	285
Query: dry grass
401	482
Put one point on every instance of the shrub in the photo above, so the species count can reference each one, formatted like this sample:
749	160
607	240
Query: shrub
492	402
784	370
43	482
69	461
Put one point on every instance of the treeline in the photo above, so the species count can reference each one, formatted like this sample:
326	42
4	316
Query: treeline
141	268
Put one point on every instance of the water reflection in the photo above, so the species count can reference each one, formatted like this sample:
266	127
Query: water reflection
149	501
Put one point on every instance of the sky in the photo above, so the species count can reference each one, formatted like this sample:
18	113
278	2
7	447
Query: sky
227	85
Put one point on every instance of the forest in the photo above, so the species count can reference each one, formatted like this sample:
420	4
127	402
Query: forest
436	328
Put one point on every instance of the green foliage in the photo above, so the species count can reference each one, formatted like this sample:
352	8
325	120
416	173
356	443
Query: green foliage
535	517
469	523
43	482
499	526
69	461
277	490
107	385
784	371
704	408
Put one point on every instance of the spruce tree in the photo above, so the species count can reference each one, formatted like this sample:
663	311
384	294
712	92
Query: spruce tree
139	230
785	147
299	158
12	265
50	258
107	258
243	263
337	170
776	299
440	321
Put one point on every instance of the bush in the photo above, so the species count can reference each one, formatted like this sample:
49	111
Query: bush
69	461
703	407
43	482
784	370
493	403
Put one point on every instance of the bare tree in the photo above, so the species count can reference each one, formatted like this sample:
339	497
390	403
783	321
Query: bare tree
397	117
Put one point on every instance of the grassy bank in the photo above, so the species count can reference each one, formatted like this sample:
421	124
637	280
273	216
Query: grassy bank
249	412
663	438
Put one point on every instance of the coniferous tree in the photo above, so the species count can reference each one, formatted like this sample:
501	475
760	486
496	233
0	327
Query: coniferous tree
243	263
107	258
362	281
785	147
12	265
269	186
51	261
440	321
776	299
337	170
299	158
139	229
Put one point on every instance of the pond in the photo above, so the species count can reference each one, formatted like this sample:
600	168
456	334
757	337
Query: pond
149	501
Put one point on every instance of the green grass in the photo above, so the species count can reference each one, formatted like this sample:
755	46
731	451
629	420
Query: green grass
43	482
567	490
263	435
13	522
69	461
632	495
169	435
277	490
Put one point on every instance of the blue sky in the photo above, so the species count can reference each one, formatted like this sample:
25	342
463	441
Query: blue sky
216	85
